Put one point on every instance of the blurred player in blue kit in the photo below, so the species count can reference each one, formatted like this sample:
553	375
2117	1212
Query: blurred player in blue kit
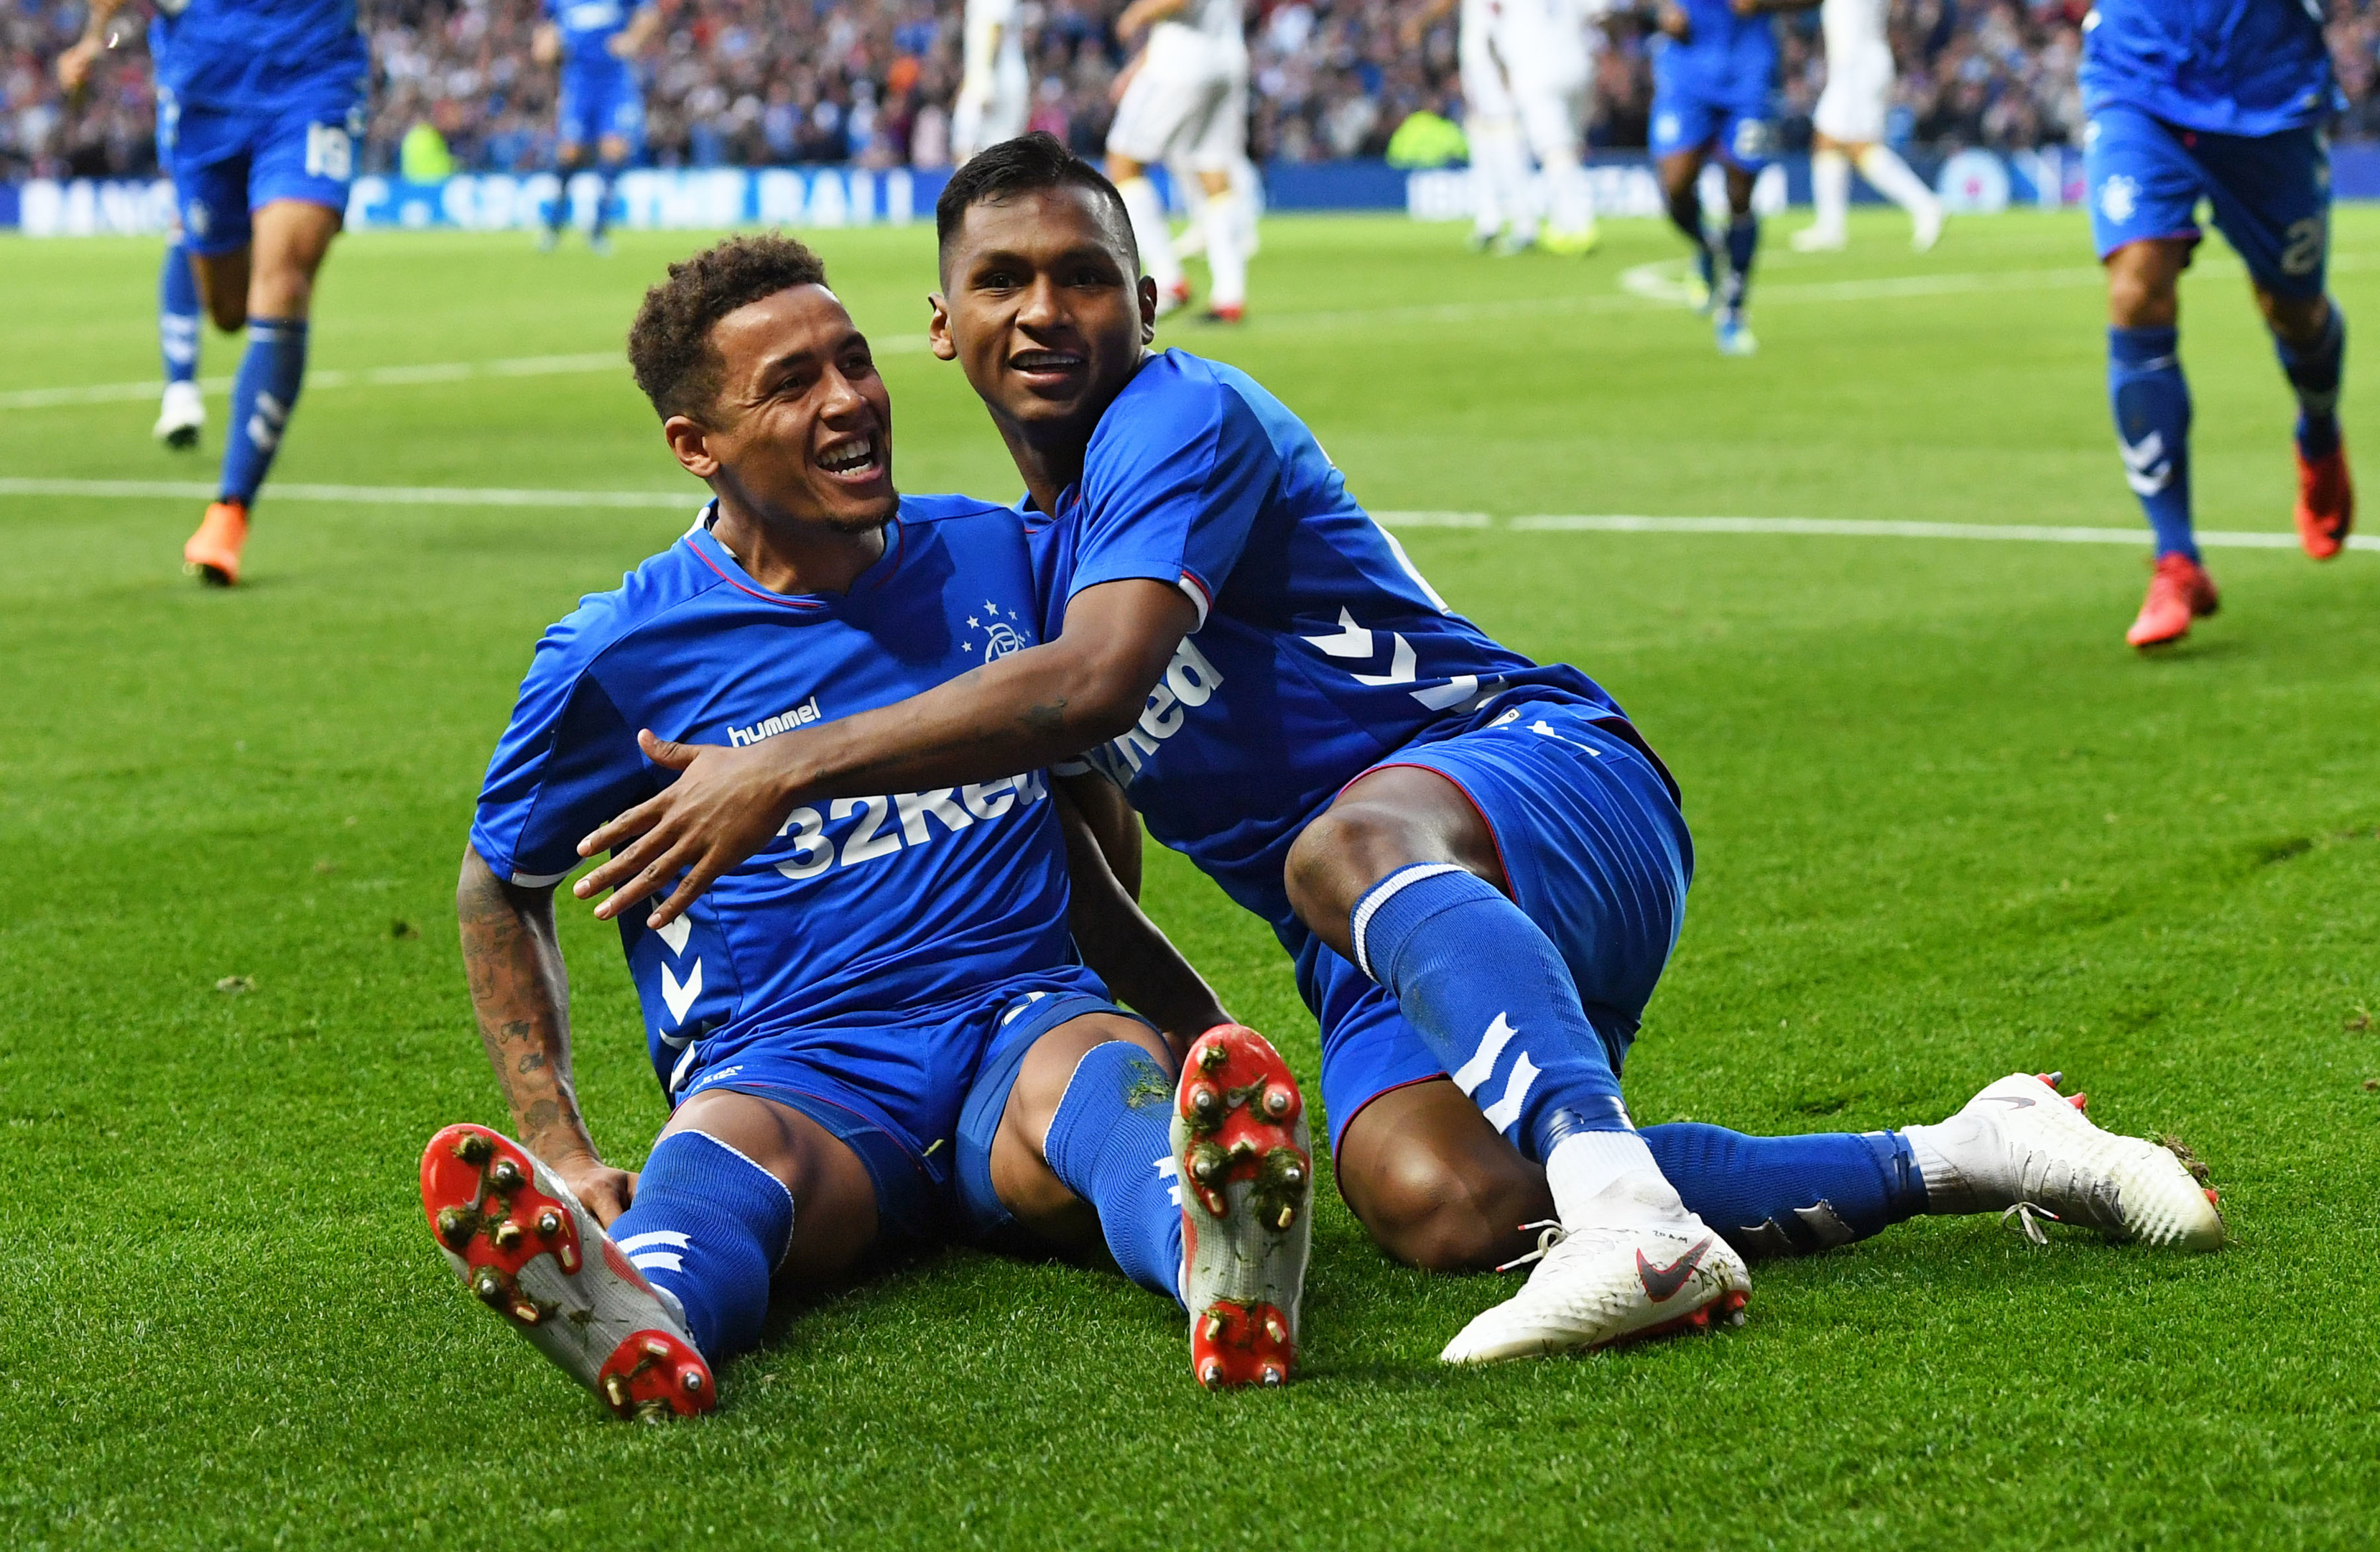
878	1032
1714	71
181	412
1476	862
2220	100
262	102
600	104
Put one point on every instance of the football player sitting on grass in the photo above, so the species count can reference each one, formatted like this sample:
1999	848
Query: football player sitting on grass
878	1030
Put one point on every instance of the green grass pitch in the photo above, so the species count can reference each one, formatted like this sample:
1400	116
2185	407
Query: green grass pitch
1950	827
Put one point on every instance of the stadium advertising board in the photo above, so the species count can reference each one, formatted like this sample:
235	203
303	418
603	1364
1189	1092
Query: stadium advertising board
1971	182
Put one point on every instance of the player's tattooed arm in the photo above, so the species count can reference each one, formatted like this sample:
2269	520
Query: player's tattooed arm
1140	965
1023	711
521	995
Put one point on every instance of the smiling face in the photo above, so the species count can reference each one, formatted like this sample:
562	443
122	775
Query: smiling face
1043	309
801	429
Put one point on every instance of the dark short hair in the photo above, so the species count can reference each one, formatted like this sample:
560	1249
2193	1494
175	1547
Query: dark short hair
669	345
1022	165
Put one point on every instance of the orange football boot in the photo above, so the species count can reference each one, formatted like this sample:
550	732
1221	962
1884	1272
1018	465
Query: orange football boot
212	552
2325	502
2178	592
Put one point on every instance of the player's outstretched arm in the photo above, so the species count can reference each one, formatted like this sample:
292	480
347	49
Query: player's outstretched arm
75	63
1020	712
1139	963
522	997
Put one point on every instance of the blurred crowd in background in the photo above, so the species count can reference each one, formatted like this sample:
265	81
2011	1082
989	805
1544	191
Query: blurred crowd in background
870	81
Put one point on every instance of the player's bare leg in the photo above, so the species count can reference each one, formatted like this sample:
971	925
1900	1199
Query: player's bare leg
1401	876
2310	334
270	284
568	158
1199	1182
1682	200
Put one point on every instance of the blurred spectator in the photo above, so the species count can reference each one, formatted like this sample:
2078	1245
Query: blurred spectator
870	81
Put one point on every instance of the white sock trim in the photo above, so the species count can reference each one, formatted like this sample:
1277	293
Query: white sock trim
1586	1165
1379	894
792	1211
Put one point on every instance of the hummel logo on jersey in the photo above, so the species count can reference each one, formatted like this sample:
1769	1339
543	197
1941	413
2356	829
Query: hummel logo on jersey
1661	1283
1352	641
808	712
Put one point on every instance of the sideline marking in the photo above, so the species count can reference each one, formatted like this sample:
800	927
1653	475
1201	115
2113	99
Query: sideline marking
1542	522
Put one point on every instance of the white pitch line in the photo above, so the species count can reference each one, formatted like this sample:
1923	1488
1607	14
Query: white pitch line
381	376
1612	522
360	495
1843	527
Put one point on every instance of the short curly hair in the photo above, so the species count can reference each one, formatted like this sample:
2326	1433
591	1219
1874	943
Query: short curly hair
669	345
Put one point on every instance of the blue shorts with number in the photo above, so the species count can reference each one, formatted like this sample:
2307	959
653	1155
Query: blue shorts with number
1697	110
2270	194
1595	850
228	165
918	1096
600	105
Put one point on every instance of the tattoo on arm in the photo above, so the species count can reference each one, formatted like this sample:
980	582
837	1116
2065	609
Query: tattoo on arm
521	995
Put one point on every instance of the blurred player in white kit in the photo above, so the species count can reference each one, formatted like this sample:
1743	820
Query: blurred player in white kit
1850	125
995	91
1525	71
1189	98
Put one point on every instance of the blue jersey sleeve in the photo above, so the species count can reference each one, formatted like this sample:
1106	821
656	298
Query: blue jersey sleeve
1171	488
567	762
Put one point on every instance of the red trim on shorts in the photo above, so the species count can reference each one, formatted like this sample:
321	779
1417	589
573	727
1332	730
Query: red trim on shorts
1410	1082
1493	838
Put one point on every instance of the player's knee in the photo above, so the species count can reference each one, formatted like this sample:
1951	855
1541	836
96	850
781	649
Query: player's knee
1438	1212
2141	290
1345	850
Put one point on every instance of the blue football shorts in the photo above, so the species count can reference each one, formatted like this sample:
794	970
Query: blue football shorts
2270	194
228	165
918	1097
1731	117
1596	852
596	106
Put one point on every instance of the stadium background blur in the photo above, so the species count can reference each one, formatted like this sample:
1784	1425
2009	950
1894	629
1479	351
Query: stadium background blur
869	82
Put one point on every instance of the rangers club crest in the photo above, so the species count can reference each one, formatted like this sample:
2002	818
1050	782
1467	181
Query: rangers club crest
1004	631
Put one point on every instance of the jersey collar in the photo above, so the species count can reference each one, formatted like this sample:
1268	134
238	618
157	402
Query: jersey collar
714	555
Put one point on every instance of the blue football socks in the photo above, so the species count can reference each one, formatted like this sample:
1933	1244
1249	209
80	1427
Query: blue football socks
610	173
262	397
178	315
708	1227
2151	400
1743	242
1789	1195
2314	371
1110	1141
1491	995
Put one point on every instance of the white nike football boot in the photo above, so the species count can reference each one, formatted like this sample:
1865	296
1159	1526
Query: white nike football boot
2021	1147
1647	1268
180	414
1245	1168
523	1245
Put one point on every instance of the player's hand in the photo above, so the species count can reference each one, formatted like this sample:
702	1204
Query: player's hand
74	65
726	804
602	1190
618	47
1746	7
1672	19
545	45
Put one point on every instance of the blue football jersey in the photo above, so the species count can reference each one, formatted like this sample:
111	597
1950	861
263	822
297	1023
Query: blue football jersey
242	55
1722	52
2223	66
1319	651
587	27
866	911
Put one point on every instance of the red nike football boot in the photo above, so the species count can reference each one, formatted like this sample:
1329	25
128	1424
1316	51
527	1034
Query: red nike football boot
523	1245
1246	1176
2179	591
2325	502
